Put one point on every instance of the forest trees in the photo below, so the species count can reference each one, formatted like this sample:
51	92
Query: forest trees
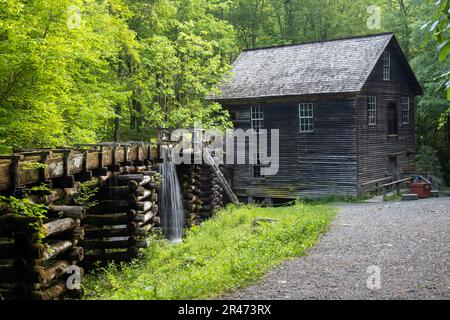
58	74
78	71
83	71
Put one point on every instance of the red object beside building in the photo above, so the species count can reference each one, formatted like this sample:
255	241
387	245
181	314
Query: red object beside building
422	189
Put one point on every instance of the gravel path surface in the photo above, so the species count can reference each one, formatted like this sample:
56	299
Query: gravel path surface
408	241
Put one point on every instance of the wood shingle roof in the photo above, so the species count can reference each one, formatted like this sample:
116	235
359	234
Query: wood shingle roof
326	67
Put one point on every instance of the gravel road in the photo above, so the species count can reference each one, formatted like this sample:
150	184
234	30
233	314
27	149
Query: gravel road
407	241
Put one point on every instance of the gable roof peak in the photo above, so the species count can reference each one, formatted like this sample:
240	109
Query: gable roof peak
320	41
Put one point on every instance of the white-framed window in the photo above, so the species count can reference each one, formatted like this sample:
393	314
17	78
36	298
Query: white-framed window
306	115
372	110
405	110
386	66
257	118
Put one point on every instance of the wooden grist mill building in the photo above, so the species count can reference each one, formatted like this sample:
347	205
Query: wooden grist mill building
345	110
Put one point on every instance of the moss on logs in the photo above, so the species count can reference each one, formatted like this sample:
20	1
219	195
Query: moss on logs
59	226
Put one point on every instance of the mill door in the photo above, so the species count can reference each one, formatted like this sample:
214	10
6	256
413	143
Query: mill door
393	167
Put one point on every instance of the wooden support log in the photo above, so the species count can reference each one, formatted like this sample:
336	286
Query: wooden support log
44	276
7	294
146	218
22	249
73	235
100	172
108	219
99	233
50	293
101	244
120	193
122	232
13	222
74	212
130	254
56	249
75	254
59	226
126	178
156	221
119	244
83	176
64	182
147	194
8	250
144	230
9	274
63	276
18	291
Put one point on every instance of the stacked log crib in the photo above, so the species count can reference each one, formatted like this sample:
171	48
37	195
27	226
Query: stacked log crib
203	194
35	268
127	211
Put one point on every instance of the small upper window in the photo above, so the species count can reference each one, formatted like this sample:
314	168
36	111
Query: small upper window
405	110
306	113
386	66
372	110
257	118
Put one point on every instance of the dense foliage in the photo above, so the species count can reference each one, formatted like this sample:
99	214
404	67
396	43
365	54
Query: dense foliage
90	70
221	255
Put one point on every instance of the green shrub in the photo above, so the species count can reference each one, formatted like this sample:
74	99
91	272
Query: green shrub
427	161
223	254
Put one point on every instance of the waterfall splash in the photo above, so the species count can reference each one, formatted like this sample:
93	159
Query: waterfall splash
171	199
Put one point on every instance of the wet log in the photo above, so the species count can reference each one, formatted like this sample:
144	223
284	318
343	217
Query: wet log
10	274
116	244
59	226
144	230
13	222
44	276
56	249
103	244
8	250
156	221
75	254
74	212
108	219
56	195
120	193
72	235
128	255
107	233
146	218
145	196
139	178
16	291
125	178
110	206
51	293
6	294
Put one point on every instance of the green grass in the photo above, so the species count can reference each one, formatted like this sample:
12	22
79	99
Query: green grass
223	254
338	199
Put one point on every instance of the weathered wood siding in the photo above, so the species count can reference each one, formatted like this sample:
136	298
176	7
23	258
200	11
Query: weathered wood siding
375	146
311	165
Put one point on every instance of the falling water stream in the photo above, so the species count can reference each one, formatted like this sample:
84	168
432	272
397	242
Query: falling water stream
172	210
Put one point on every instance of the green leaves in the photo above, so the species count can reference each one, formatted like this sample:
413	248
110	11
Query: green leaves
58	85
25	208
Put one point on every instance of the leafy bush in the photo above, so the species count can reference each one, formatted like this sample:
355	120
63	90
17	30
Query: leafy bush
27	208
85	197
223	254
427	161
